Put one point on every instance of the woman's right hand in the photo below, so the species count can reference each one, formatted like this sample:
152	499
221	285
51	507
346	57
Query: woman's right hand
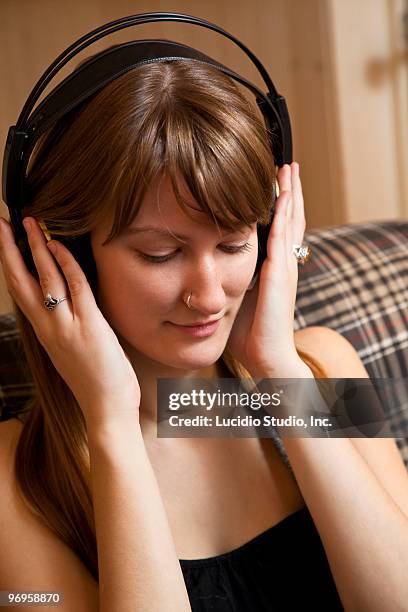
78	339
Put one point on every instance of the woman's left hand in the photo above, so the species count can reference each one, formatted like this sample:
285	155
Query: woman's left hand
262	336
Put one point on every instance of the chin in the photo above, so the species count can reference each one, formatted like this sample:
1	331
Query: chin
196	359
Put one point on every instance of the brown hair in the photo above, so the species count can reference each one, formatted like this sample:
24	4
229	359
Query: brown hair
178	117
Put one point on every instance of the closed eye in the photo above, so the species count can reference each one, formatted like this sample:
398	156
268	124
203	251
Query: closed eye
163	258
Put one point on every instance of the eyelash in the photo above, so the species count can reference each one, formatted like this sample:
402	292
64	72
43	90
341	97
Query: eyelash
158	259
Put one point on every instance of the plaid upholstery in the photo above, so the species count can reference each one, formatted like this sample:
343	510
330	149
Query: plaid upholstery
355	283
16	386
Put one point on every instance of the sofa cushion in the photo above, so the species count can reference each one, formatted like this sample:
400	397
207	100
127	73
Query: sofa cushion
357	284
16	385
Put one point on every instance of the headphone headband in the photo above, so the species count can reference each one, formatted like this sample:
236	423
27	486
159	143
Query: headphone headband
120	24
101	69
95	73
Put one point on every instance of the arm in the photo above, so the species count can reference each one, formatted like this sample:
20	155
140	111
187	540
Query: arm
363	530
33	558
138	565
338	358
139	569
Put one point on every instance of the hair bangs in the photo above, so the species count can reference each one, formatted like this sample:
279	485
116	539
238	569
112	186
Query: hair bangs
219	150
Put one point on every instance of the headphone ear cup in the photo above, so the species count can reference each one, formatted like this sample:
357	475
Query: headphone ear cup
80	247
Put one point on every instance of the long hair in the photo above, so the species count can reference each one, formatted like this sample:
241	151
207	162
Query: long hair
177	117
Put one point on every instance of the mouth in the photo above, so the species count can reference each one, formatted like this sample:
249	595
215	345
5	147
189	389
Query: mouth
205	329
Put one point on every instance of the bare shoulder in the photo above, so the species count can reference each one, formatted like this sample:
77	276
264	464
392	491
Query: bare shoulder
339	359
332	350
32	557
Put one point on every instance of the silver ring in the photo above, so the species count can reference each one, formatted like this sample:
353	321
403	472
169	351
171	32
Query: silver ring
302	252
51	302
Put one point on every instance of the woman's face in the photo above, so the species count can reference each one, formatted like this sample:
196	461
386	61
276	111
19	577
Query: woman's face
143	300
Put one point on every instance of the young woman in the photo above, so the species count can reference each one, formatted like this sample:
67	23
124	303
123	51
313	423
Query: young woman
167	171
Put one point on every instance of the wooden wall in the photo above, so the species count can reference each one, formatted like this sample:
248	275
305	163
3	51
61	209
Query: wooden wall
321	54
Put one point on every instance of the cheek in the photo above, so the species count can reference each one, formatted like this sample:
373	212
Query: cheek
127	287
127	291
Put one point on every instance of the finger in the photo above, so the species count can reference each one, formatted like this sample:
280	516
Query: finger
285	186
83	301
284	178
289	231
22	286
72	283
50	277
276	244
298	211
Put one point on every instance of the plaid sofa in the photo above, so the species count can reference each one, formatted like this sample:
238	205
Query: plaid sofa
355	283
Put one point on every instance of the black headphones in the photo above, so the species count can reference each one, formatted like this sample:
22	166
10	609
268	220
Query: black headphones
90	77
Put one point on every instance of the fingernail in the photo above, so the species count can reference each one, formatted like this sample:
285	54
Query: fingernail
27	224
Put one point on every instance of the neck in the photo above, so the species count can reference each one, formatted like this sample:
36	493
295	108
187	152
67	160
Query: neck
149	370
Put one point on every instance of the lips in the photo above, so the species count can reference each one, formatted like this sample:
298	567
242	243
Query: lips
197	330
198	324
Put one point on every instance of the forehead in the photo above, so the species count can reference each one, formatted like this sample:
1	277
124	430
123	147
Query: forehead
161	212
160	215
160	206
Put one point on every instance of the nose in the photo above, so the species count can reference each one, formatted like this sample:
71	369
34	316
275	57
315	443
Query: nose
205	284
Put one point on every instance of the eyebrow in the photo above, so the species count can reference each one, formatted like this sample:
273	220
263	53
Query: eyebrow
163	232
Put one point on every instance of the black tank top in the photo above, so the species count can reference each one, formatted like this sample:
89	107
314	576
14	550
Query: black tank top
284	568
